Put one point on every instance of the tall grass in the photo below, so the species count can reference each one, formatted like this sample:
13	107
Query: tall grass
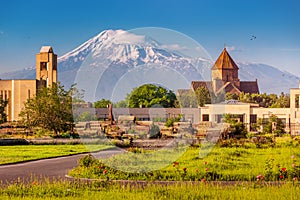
228	164
105	190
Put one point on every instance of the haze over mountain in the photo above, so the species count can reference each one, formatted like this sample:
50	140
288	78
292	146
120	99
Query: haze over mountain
110	64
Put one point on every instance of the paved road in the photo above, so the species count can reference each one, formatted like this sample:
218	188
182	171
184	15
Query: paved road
53	168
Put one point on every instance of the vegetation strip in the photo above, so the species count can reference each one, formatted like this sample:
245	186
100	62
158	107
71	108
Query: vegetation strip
229	161
154	182
107	190
25	153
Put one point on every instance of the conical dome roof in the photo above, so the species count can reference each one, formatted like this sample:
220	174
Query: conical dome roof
225	62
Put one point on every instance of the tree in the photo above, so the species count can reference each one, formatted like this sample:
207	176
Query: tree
187	99
121	104
203	96
237	128
149	95
3	116
230	96
85	117
50	109
274	125
103	103
266	100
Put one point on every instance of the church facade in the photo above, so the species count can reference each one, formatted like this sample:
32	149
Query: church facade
16	92
225	78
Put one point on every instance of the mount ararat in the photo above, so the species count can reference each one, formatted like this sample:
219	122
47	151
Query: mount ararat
110	64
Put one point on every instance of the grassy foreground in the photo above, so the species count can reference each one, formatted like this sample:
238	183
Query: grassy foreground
103	190
221	164
19	153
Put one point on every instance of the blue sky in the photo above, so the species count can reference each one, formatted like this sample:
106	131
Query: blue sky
27	25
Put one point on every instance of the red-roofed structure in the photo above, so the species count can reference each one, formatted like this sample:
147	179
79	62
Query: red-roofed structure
225	78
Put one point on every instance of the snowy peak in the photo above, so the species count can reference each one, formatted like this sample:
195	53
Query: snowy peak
107	39
116	52
123	47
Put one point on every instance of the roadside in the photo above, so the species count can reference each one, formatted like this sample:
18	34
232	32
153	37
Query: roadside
45	169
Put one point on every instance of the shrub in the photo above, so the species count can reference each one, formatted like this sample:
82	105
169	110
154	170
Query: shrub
154	131
86	161
170	121
236	128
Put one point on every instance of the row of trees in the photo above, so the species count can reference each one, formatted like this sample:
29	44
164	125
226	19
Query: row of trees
202	96
51	108
145	96
264	100
149	95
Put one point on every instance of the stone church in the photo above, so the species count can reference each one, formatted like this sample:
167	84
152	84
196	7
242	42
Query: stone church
225	78
16	92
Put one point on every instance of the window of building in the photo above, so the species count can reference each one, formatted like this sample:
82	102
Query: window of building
253	118
205	117
43	66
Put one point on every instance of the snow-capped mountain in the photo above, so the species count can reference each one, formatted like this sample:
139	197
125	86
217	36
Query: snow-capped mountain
98	65
111	63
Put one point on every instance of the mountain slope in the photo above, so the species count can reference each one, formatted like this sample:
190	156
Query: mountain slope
270	79
114	61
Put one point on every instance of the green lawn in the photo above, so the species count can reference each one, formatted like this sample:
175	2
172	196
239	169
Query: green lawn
102	190
19	153
222	163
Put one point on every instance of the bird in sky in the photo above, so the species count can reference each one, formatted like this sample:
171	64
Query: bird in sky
253	37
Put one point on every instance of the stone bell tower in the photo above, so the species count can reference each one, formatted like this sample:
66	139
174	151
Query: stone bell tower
46	67
225	70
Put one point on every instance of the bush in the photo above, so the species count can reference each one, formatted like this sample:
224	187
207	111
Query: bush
236	128
154	131
86	161
67	134
170	121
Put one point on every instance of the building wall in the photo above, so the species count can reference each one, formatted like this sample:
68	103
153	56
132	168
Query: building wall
5	93
16	92
46	68
245	110
294	105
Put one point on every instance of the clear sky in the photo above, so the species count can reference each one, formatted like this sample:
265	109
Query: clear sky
27	25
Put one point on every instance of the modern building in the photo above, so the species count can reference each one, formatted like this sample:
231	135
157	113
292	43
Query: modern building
248	113
16	92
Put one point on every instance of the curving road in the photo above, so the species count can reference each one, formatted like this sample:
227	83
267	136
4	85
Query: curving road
52	168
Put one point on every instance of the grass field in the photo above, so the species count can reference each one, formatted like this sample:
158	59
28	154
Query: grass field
102	190
19	153
222	163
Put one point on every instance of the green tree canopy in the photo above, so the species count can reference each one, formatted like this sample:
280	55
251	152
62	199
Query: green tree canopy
121	104
50	109
103	103
237	128
187	99
149	95
3	104
203	96
272	125
264	100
